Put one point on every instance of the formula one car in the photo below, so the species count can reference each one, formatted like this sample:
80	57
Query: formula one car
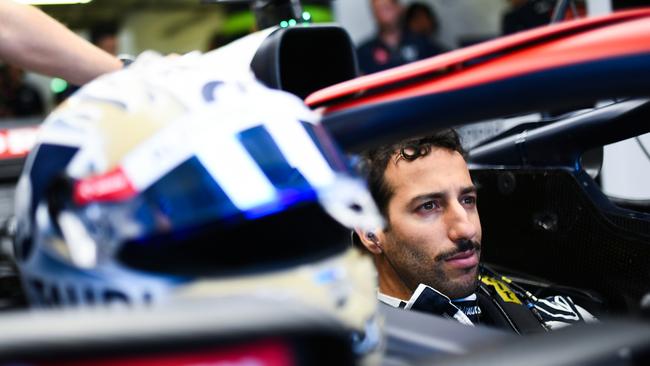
536	197
545	216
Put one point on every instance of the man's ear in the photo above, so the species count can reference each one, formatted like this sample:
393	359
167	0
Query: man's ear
370	240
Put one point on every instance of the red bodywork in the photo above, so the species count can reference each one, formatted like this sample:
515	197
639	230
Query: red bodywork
574	42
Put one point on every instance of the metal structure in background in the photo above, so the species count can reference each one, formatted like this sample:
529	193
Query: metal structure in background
561	8
85	16
269	13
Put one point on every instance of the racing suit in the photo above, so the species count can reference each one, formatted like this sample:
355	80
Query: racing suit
497	302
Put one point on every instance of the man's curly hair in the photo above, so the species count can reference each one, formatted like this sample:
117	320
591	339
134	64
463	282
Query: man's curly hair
375	161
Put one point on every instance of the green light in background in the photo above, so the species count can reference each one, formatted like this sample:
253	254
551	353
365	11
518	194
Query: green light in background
58	85
292	22
318	14
284	24
238	23
306	16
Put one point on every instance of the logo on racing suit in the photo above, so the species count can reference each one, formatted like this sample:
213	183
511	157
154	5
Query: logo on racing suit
502	289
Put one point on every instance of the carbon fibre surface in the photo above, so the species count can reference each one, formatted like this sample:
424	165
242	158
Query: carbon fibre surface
546	223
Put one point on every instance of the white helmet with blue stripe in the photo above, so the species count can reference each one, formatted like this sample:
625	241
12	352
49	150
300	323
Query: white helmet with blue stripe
172	179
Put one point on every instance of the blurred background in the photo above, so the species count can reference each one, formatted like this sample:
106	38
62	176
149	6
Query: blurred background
180	26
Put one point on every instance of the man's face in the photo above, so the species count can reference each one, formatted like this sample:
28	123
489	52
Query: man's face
434	231
386	12
420	23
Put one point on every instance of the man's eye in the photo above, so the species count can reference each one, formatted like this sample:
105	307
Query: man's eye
468	200
428	206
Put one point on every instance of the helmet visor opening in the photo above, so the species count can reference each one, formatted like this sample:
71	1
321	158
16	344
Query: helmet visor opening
301	234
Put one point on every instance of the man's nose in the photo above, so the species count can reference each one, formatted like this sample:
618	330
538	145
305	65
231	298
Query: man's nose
459	223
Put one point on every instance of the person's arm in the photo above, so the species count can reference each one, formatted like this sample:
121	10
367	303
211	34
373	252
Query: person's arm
34	41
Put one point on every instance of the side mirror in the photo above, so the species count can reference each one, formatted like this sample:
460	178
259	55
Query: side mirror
304	59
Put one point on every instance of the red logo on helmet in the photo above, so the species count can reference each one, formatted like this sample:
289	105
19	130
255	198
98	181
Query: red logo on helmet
112	186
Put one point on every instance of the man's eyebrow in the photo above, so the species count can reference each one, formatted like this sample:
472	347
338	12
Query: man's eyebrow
468	189
441	195
428	196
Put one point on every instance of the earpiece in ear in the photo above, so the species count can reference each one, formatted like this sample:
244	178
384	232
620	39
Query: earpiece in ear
373	238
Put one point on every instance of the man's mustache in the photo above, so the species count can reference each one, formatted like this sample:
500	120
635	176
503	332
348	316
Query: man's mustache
461	246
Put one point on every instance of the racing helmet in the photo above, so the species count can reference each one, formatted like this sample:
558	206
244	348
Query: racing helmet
173	179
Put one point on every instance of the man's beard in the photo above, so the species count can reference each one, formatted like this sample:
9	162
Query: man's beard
415	266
